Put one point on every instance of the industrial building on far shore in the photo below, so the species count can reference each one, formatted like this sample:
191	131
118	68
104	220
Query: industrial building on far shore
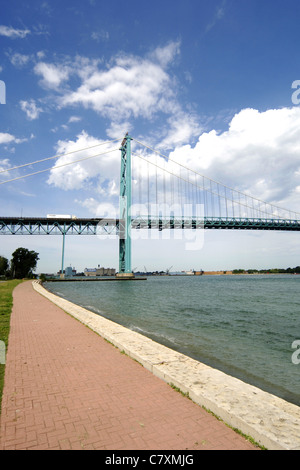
93	272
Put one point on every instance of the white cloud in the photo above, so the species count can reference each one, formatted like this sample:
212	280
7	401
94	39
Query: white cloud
31	109
4	164
52	75
126	89
13	33
129	86
219	13
6	138
118	129
165	55
99	209
19	60
40	55
83	66
180	128
100	35
74	119
103	170
258	154
132	87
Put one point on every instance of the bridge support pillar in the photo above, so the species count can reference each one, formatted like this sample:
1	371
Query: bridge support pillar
125	276
62	276
125	271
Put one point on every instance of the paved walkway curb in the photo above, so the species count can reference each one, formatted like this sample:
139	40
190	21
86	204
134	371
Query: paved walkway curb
269	420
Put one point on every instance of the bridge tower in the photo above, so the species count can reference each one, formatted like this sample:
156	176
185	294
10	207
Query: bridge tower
125	271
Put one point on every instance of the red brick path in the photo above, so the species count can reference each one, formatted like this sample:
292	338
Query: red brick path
67	388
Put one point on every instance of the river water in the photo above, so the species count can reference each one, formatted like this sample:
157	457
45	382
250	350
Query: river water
244	325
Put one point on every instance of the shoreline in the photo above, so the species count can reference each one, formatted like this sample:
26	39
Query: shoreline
100	279
269	420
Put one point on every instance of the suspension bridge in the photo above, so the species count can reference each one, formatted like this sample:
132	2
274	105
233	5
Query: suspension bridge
159	193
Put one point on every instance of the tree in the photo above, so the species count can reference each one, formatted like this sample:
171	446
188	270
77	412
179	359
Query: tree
3	265
23	263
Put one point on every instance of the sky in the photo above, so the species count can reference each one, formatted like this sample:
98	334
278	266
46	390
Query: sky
213	84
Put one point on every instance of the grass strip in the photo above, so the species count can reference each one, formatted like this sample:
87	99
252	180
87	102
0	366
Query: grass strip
6	302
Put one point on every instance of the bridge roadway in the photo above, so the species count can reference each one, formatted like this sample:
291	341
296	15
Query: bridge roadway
107	226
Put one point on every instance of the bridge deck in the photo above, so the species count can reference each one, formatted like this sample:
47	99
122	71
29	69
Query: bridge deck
96	226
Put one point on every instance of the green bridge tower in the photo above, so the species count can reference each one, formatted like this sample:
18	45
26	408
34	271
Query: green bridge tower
125	270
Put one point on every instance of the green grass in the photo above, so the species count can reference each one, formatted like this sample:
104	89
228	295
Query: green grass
6	302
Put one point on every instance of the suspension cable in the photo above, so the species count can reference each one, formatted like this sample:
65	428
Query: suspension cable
185	180
57	156
218	183
58	166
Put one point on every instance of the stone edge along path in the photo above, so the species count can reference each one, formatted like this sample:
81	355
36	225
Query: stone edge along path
269	420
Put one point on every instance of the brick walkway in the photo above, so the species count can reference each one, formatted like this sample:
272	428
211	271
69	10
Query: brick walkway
67	388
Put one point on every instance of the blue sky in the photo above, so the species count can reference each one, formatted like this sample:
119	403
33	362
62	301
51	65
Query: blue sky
209	82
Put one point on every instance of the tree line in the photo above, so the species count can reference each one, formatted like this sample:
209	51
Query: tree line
21	265
295	270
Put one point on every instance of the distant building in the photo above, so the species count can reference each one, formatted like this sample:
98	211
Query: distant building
69	271
92	272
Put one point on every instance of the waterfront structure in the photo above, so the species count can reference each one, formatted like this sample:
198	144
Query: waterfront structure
69	271
93	272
